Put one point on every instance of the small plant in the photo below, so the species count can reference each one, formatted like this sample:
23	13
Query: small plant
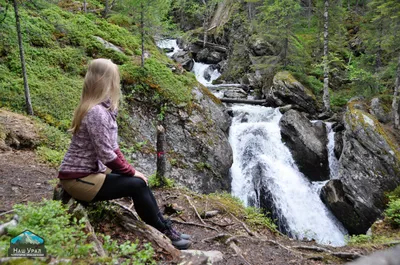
154	182
393	212
201	166
358	239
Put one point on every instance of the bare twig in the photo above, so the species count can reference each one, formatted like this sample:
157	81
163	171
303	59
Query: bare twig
208	239
342	255
197	213
126	208
220	225
238	252
7	212
190	223
244	226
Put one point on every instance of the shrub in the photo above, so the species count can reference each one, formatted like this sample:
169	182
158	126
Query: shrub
393	212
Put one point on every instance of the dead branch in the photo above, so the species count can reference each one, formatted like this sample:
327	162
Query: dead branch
220	225
129	209
7	212
342	255
244	226
195	224
239	252
197	213
208	239
80	213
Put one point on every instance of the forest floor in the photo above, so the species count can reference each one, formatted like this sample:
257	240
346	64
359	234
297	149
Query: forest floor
24	178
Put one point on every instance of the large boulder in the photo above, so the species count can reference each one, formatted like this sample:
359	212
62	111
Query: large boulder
378	110
209	57
198	152
260	47
307	143
369	166
287	90
184	59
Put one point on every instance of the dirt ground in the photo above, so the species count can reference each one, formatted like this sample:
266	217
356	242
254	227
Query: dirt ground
23	178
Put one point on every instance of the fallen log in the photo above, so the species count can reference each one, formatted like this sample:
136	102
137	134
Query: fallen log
244	101
218	48
5	226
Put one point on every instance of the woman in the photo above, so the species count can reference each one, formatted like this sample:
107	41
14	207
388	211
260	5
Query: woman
94	169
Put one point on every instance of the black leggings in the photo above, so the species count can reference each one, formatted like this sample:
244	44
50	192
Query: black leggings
117	186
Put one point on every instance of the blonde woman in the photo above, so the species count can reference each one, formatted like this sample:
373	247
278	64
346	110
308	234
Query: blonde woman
94	152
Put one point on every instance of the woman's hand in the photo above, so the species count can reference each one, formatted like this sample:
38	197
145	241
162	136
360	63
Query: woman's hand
140	175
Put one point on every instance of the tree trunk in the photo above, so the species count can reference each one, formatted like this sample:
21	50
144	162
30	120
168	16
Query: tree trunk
309	13
161	158
395	103
29	109
84	6
326	99
142	32
105	12
285	51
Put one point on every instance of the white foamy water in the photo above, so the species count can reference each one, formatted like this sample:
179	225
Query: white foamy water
169	43
199	69
262	162
333	162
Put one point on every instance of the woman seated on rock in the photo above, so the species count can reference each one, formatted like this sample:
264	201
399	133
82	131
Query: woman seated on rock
94	169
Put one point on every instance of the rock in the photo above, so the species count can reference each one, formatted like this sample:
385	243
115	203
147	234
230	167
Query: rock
378	111
209	57
251	80
369	166
184	59
222	66
236	93
259	47
109	45
199	257
209	71
202	55
386	257
338	144
307	143
285	109
167	50
195	137
17	131
287	90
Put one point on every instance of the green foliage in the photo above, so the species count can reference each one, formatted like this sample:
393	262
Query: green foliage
131	250
358	239
202	166
252	216
393	212
64	235
154	182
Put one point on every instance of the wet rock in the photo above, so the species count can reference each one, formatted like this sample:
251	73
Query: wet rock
184	59
285	109
209	57
209	71
167	50
307	143
235	93
251	80
369	167
338	144
377	109
287	90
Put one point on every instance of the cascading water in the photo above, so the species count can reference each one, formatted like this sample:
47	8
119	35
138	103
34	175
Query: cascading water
263	168
333	162
262	164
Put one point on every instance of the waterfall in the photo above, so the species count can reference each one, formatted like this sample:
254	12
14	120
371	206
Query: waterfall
264	173
262	164
168	44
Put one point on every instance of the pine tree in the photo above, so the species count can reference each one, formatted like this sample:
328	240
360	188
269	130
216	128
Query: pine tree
279	18
389	10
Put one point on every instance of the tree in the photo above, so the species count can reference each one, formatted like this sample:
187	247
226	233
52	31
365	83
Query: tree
326	98
279	19
383	10
29	109
150	14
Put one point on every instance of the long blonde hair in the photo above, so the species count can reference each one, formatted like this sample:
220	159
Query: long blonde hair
101	83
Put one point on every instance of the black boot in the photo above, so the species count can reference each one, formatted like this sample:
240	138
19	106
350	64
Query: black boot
168	223
176	240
